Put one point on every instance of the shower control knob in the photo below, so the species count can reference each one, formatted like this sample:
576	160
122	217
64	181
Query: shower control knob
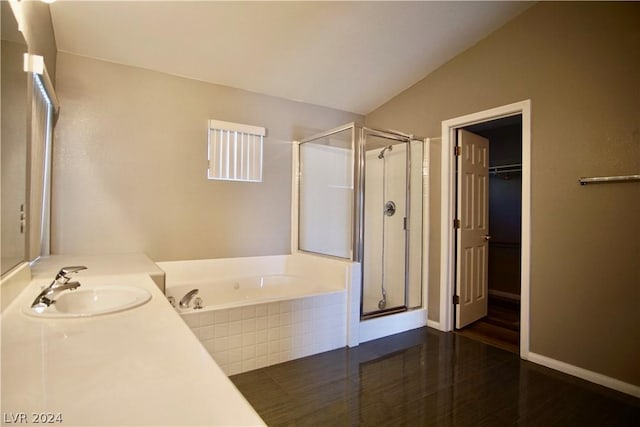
389	208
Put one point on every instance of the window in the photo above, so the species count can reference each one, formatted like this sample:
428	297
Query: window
235	151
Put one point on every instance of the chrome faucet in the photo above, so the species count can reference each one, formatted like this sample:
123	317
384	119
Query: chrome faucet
64	273
186	300
59	284
48	295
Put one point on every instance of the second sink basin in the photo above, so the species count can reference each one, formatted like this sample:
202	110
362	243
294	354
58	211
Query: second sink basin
94	301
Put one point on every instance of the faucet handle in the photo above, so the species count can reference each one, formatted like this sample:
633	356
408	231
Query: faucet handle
66	271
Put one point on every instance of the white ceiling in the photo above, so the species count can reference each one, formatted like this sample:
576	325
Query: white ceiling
352	56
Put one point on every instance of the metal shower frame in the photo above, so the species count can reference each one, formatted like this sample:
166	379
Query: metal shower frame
359	133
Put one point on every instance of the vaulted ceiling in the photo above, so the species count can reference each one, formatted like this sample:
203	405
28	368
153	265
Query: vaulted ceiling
352	56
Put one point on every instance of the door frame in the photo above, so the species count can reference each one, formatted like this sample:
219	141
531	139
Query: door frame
448	197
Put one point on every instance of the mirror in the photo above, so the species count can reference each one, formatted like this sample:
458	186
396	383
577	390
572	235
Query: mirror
13	142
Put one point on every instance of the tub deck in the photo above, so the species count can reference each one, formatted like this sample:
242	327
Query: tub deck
261	311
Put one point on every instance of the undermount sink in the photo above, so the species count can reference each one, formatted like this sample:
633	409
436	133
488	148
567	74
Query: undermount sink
93	301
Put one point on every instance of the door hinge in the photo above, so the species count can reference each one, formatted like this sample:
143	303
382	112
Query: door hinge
404	223
456	224
23	219
457	150
456	299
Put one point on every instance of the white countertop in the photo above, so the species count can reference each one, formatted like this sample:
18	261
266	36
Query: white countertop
100	265
138	367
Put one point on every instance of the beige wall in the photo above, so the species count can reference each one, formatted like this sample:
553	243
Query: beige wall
38	32
579	63
130	165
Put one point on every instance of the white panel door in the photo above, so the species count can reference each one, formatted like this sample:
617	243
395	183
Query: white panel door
473	235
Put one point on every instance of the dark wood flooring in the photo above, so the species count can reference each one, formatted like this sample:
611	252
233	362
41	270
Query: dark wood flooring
501	326
425	377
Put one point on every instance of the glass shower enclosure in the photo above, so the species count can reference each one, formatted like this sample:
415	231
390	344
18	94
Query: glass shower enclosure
360	198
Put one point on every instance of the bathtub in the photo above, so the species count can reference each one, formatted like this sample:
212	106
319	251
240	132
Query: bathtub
260	311
243	291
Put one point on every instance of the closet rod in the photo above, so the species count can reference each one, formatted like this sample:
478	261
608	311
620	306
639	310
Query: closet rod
516	167
601	179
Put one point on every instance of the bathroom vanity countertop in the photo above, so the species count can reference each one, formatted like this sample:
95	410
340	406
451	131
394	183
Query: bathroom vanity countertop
100	265
137	367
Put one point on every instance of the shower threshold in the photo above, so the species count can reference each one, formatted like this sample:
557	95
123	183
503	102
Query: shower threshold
380	313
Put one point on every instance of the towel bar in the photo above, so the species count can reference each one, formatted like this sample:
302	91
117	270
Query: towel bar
602	179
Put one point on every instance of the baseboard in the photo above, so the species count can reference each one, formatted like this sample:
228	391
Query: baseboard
585	374
505	295
433	324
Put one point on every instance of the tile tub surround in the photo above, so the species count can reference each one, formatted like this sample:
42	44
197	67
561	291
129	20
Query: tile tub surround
264	333
255	336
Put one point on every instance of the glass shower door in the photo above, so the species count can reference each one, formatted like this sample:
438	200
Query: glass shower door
325	217
360	193
385	218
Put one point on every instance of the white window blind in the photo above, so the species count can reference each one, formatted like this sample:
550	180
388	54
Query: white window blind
235	151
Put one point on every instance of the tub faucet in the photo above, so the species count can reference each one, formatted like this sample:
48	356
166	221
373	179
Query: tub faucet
186	300
59	284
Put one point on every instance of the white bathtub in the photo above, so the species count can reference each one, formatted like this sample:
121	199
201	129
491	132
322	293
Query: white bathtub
243	291
261	311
